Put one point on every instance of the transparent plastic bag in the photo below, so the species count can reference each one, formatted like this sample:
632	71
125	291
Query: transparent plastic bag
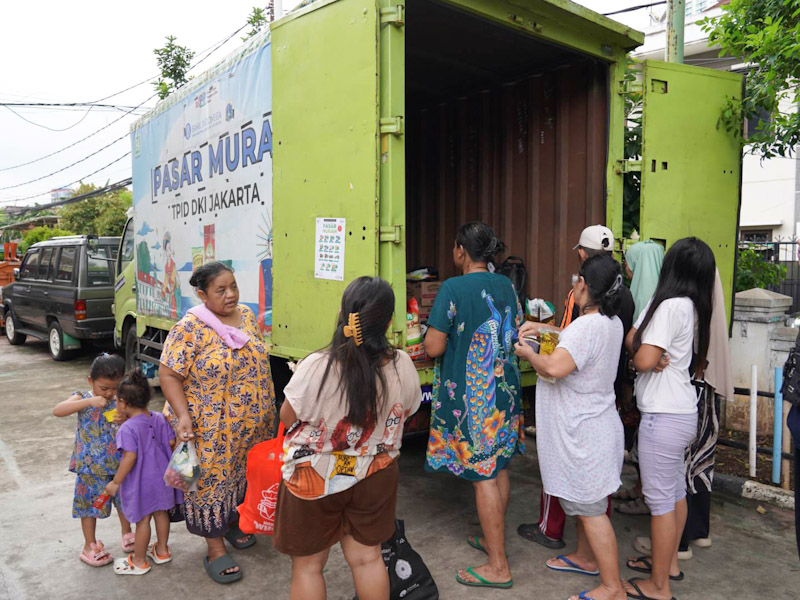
183	469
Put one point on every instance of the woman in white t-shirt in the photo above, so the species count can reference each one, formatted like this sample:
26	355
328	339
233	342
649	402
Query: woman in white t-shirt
675	325
579	436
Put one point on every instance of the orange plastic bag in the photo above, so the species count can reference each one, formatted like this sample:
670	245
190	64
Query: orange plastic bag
264	462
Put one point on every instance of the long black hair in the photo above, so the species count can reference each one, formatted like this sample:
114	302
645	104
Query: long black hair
688	271
603	276
480	242
360	366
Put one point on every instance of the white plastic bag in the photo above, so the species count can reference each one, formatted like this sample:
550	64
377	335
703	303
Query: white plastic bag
183	470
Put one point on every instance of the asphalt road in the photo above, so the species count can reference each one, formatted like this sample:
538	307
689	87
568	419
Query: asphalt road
753	555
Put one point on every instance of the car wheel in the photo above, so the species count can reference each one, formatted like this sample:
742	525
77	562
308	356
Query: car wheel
131	349
55	342
14	337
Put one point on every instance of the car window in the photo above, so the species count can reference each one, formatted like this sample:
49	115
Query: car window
112	251
44	262
124	259
66	265
31	264
98	269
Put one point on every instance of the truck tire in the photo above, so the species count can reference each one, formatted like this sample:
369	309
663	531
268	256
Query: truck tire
12	335
131	349
55	342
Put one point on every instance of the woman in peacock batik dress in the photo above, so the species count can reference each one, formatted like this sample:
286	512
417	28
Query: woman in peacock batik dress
476	421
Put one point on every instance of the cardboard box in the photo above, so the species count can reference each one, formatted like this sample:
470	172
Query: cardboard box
424	291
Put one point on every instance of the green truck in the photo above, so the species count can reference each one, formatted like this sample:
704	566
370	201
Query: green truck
370	130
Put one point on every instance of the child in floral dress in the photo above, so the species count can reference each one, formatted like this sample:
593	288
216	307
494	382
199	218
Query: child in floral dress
95	457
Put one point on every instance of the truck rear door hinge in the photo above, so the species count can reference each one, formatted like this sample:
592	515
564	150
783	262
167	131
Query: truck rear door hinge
394	15
628	166
393	234
393	125
630	87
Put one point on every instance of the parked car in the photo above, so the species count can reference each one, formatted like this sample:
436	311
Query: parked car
63	293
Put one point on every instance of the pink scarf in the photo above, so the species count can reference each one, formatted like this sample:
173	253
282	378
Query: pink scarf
232	336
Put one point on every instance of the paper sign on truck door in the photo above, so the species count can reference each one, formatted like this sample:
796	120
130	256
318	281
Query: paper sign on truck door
329	249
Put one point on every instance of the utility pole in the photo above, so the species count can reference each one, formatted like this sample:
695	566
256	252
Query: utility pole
673	49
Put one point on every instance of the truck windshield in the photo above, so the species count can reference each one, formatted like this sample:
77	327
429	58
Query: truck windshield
98	270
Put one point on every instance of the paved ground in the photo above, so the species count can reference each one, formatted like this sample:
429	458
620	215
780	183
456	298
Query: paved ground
753	556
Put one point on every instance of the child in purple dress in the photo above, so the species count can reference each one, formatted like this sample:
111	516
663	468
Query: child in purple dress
146	440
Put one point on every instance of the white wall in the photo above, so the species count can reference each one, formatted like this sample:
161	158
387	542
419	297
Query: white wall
768	193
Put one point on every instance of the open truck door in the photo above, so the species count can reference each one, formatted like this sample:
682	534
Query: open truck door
691	166
327	139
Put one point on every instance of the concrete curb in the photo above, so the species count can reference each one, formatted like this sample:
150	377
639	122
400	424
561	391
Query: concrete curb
753	490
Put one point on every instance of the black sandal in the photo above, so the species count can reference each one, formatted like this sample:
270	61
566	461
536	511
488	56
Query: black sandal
649	567
532	533
234	534
640	595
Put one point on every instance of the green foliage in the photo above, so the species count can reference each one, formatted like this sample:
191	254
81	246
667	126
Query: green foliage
40	234
257	20
173	62
753	271
765	34
101	215
632	182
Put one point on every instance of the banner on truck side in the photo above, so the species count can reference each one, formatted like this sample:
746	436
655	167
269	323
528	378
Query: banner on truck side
202	186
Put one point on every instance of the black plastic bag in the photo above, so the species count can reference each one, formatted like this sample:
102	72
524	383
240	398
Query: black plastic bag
409	578
791	377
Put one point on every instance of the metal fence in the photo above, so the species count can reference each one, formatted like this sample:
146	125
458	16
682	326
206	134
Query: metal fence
783	252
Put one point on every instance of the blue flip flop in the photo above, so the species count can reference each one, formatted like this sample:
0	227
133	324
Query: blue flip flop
583	596
572	568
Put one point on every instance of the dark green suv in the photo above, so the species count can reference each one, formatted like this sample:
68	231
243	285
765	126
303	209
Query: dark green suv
63	293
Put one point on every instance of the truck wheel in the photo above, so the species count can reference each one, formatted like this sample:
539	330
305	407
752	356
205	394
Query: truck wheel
14	337
131	349
55	342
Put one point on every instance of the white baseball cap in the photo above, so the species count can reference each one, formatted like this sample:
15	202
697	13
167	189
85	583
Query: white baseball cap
596	237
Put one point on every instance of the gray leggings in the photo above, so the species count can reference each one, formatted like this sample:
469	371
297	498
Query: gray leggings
663	440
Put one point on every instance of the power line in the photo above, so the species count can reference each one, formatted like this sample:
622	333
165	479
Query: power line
104	190
79	121
633	8
88	156
70	183
30	162
58	104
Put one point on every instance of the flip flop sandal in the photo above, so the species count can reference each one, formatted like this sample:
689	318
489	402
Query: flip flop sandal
481	582
634	507
125	566
217	567
475	542
128	542
234	533
628	494
98	556
583	596
532	533
648	568
639	595
153	554
571	567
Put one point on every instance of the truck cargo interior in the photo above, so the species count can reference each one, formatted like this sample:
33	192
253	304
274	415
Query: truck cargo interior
507	129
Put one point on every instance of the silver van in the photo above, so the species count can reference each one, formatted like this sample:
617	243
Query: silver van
63	293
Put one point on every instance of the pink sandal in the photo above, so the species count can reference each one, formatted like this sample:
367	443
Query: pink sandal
128	542
98	557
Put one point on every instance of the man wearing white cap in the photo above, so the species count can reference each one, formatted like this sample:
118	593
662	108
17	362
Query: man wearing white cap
549	531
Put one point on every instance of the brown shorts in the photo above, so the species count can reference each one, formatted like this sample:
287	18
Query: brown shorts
366	511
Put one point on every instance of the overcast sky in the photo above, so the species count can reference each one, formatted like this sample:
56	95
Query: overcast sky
83	51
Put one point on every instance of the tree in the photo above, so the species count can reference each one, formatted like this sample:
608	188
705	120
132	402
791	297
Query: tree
99	215
40	234
754	271
257	21
766	35
173	62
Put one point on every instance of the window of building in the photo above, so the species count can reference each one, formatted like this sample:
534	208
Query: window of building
756	236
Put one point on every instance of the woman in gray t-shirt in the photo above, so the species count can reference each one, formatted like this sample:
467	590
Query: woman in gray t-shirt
579	436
